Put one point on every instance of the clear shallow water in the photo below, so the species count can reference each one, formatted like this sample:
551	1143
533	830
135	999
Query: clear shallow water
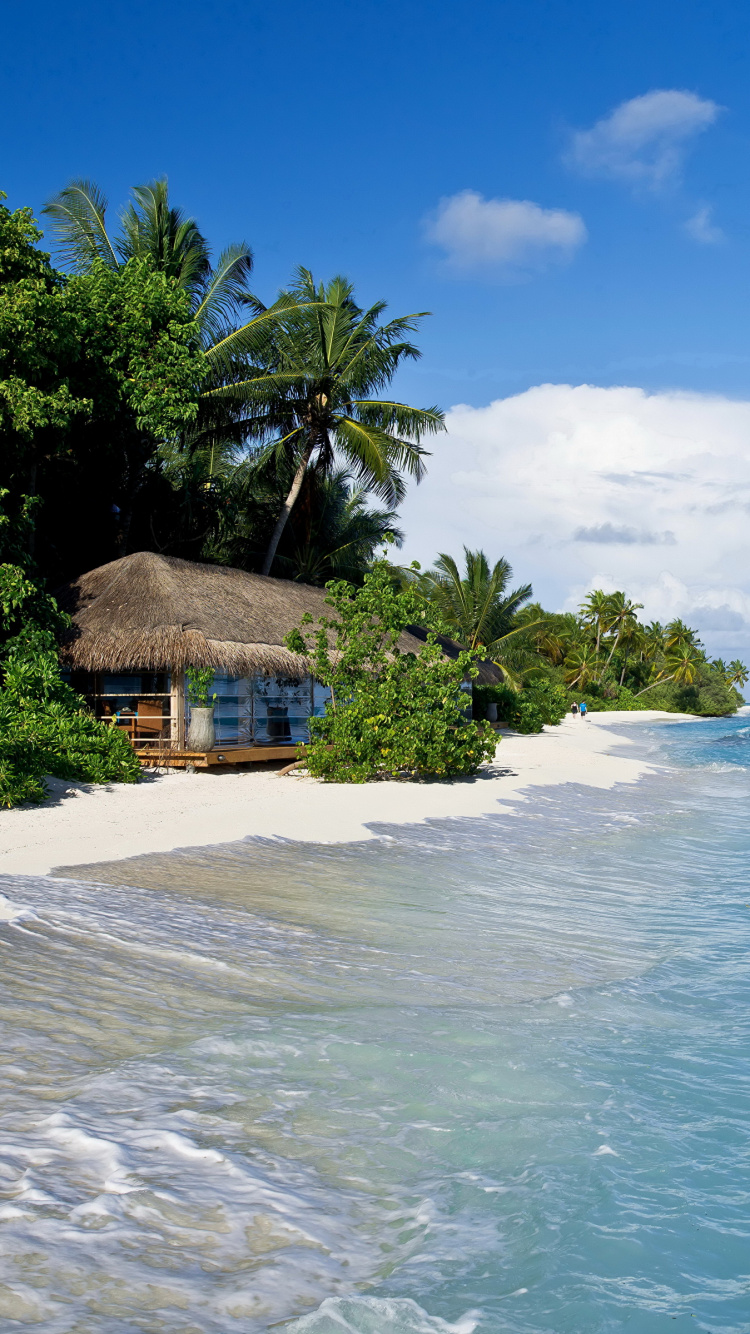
482	1074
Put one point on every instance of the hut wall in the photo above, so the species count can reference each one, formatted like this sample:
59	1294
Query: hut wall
265	710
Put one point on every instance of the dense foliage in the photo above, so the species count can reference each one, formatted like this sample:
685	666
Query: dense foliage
391	714
45	727
96	372
604	654
148	401
607	656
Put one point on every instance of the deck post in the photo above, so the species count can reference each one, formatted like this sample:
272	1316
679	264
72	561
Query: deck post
177	708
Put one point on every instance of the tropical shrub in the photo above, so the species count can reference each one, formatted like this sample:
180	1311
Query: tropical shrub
539	705
45	727
391	714
597	701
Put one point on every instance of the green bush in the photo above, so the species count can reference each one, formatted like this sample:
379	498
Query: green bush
622	699
391	714
543	703
45	727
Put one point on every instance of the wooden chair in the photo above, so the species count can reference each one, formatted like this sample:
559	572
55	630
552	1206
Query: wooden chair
151	720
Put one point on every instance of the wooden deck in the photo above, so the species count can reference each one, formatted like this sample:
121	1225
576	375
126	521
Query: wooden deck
208	759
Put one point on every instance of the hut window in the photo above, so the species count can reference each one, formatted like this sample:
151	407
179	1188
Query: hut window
281	709
233	714
136	701
265	710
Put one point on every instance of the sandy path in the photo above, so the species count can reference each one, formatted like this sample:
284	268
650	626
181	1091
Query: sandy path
91	824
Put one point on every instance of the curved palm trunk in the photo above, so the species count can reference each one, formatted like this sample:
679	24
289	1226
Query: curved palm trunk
661	682
287	508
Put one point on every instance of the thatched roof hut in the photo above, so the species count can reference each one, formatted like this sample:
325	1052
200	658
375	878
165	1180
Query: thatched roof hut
158	613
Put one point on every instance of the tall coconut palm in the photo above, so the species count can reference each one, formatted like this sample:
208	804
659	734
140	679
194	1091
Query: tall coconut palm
737	673
314	395
597	612
151	228
622	619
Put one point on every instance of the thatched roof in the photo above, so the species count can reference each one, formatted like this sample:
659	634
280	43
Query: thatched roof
156	613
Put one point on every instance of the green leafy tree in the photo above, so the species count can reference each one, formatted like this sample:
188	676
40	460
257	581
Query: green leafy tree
39	343
143	369
45	727
391	714
96	371
153	229
313	398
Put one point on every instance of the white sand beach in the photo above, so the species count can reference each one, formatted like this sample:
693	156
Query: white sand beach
80	824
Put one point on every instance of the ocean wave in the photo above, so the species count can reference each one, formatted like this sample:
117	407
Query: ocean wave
379	1315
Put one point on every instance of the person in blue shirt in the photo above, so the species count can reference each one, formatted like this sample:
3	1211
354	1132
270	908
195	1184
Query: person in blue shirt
583	708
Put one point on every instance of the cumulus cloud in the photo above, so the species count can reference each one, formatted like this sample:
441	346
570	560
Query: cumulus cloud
582	487
702	229
479	233
643	141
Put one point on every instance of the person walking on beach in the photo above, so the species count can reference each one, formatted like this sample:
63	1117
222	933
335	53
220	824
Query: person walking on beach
583	708
574	709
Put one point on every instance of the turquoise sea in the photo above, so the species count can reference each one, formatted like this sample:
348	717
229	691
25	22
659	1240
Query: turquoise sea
483	1074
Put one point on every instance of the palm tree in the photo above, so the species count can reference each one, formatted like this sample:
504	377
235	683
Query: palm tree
683	662
622	619
632	640
597	611
476	605
338	534
737	674
220	300
310	397
581	665
678	634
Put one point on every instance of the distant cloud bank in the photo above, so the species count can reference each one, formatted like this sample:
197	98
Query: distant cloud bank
584	487
502	234
643	141
609	532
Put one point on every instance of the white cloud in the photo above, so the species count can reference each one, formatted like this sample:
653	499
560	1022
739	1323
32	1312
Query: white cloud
644	140
702	229
502	233
582	487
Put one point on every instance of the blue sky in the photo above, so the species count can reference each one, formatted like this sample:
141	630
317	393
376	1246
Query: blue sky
469	160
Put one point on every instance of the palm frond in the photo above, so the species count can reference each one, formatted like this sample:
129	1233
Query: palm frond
399	417
78	226
225	291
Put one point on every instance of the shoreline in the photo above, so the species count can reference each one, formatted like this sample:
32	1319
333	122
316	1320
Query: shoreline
83	824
